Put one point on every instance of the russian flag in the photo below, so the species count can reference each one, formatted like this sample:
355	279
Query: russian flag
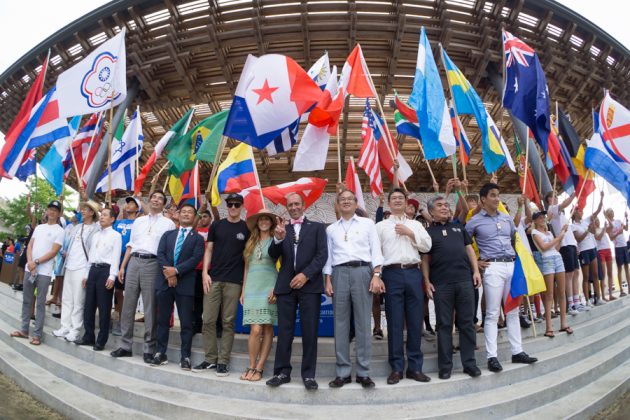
272	93
235	173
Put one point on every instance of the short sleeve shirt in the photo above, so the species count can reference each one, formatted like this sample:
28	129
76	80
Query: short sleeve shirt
228	241
124	226
589	240
449	259
493	234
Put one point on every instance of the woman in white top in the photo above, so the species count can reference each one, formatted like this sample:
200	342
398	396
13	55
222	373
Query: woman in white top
552	268
605	258
616	233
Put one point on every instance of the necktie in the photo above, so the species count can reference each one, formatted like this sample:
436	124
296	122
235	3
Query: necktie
178	245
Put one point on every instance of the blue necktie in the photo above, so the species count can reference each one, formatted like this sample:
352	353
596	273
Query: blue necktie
178	245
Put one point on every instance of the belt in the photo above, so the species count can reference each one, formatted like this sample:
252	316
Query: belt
353	264
100	265
501	259
403	266
143	256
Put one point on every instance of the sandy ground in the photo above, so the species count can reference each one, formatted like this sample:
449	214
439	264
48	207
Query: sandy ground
17	404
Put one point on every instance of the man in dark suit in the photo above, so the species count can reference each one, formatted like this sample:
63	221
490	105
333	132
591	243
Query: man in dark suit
179	252
303	248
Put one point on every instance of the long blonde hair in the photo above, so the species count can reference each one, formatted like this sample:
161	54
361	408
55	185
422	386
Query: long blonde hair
254	237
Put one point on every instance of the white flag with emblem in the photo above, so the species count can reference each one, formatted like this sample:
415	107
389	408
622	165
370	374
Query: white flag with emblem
90	85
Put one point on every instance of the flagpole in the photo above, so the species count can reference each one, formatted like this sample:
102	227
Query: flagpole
450	89
108	195
436	186
526	160
215	165
262	198
195	179
138	150
338	154
74	159
165	183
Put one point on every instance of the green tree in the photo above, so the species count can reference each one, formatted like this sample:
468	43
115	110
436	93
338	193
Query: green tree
16	214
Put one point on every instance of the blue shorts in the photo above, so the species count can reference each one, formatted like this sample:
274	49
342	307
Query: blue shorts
622	256
588	256
551	265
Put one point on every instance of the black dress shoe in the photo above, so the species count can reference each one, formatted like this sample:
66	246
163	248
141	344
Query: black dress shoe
394	378
523	357
417	376
147	357
338	382
494	365
366	382
121	353
97	347
278	380
310	384
57	315
185	364
83	342
159	359
444	374
472	371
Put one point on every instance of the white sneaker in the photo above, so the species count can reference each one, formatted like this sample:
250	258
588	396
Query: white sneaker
72	337
600	302
61	332
582	308
573	310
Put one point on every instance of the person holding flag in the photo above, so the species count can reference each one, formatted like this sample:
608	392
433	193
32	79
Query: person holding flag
494	233
616	230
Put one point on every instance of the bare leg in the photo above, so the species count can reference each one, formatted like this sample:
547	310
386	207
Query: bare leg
548	296
254	344
596	282
609	275
561	279
265	349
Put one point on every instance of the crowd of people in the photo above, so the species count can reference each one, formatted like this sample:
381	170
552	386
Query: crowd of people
106	259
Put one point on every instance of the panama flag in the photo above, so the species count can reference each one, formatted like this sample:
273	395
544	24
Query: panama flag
310	189
90	85
272	93
126	147
427	97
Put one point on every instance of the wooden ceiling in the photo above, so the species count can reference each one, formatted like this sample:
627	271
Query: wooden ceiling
191	53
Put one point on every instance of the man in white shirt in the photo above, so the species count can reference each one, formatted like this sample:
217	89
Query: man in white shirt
42	249
73	294
402	240
353	274
98	280
141	276
622	258
568	250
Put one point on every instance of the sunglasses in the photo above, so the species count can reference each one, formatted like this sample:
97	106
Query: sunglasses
235	205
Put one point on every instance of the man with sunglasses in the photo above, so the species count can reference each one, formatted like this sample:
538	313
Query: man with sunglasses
222	285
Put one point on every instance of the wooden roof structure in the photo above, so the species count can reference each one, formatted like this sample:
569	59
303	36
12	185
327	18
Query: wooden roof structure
187	53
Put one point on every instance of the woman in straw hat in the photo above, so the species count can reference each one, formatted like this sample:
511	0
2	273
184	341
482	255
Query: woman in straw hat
257	298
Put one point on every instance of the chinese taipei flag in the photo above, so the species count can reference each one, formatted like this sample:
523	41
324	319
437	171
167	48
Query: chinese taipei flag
90	85
272	93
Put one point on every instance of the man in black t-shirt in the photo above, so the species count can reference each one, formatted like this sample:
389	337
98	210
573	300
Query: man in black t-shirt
222	286
450	275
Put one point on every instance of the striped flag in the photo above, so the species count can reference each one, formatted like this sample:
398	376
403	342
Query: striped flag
28	166
368	157
460	136
90	133
285	141
353	183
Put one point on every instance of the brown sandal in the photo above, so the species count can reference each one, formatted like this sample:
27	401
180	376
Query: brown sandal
257	376
246	376
18	334
549	334
567	330
35	341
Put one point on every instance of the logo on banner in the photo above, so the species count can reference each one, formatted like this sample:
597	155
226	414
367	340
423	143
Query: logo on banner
98	83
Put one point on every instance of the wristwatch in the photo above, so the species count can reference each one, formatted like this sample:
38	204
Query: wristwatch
377	274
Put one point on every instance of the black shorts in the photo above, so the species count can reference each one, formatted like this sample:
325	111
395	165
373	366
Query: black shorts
587	256
622	256
570	258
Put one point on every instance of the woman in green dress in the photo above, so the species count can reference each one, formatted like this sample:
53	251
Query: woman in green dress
257	298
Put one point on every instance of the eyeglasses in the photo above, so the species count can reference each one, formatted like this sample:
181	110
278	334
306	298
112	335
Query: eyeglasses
235	205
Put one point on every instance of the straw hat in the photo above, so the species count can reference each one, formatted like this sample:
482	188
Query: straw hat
93	205
253	219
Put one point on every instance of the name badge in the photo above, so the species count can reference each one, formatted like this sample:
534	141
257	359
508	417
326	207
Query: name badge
444	232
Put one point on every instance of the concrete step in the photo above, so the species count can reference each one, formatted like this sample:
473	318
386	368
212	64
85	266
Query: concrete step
58	394
588	338
517	393
585	402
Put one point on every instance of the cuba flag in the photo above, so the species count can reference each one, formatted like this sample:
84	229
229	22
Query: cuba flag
525	92
427	97
272	93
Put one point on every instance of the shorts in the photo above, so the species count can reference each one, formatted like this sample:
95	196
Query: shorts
537	258
622	256
604	255
570	258
551	265
588	256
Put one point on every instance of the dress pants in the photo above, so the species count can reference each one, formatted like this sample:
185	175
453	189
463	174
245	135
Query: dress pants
497	279
32	283
309	305
139	279
97	296
197	317
352	296
404	302
73	301
458	297
222	300
165	300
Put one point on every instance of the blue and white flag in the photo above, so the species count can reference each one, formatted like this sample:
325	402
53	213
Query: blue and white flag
124	156
427	97
285	140
598	159
90	85
28	166
52	164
